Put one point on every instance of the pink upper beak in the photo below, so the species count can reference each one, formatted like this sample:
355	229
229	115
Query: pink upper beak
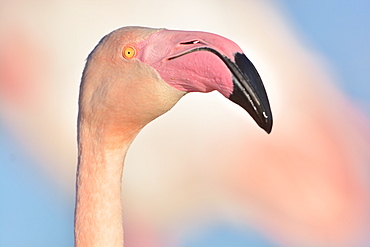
203	62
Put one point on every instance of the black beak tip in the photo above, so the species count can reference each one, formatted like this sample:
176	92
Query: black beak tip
267	123
249	92
261	115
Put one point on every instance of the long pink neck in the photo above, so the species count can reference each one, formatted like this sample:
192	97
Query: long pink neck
98	215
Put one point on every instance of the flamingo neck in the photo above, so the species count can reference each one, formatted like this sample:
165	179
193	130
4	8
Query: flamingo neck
98	215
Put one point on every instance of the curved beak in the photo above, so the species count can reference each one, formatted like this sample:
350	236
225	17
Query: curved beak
249	91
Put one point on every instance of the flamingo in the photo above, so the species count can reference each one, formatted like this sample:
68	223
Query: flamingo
133	76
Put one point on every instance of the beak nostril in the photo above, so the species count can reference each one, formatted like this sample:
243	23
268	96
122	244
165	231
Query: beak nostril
190	42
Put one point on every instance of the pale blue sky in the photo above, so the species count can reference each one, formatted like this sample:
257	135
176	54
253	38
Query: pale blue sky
340	31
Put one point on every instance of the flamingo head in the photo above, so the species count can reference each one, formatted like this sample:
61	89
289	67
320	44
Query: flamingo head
191	62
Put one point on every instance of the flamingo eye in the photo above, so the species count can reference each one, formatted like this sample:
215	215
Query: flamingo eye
129	52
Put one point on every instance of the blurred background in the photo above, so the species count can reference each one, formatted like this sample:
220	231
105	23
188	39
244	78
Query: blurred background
203	174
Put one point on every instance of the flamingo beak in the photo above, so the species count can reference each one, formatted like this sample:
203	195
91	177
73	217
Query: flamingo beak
249	91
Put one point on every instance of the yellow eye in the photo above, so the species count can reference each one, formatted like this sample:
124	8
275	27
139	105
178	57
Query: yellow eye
129	52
